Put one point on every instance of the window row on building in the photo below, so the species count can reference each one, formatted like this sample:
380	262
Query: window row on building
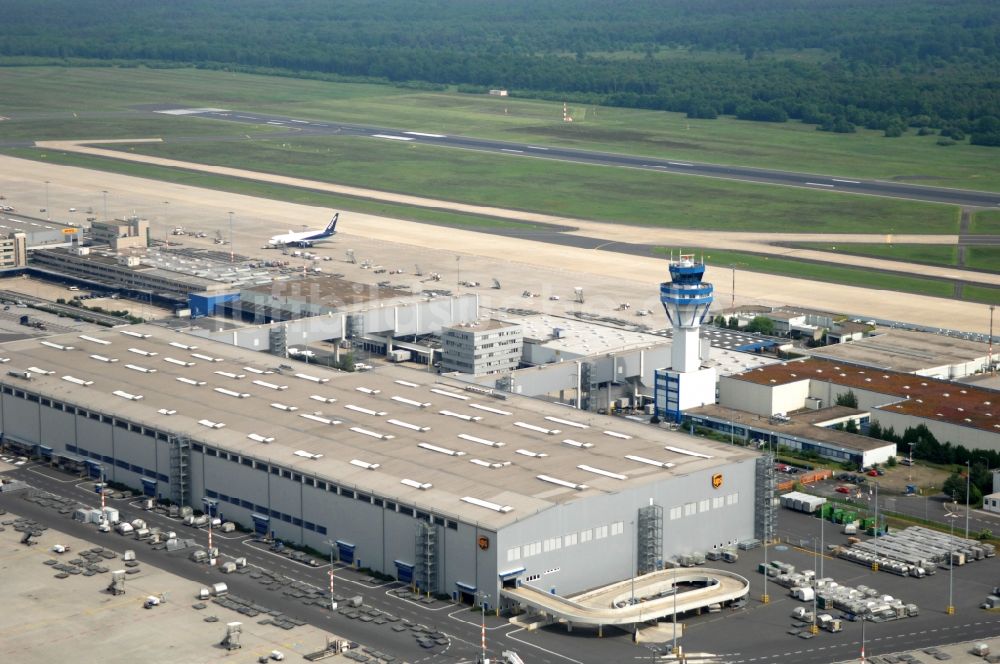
564	541
700	507
117	463
324	485
262	510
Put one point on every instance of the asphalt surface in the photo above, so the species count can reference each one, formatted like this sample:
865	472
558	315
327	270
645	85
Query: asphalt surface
758	633
881	188
459	623
754	634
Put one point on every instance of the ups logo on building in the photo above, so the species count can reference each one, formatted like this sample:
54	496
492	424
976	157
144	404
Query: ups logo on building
716	480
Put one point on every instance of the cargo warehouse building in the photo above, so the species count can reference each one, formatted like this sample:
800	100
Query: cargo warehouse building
436	482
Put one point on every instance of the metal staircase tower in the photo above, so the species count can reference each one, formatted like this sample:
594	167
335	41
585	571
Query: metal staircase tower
180	480
649	544
425	571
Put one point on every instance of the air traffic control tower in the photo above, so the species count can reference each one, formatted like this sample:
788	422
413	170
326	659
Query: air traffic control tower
686	300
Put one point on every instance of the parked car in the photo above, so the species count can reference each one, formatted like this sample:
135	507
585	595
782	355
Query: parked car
843	489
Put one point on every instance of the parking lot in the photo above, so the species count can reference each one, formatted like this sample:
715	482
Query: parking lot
759	632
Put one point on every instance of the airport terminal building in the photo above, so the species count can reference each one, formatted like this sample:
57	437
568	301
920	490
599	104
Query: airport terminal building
420	477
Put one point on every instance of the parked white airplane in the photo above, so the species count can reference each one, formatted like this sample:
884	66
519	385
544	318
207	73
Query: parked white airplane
304	238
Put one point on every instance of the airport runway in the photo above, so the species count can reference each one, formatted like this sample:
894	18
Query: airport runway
882	188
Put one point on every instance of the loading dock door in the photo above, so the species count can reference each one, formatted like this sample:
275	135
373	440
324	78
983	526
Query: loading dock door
45	452
404	571
509	578
93	469
345	550
148	487
260	524
466	593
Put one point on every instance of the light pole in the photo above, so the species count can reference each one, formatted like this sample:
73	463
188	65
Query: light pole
232	251
814	629
482	605
48	212
333	602
209	505
675	611
968	486
951	564
875	562
910	475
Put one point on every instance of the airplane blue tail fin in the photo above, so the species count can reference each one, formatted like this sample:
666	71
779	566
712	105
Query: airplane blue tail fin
331	228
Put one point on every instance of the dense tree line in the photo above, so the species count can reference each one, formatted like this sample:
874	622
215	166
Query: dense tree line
840	64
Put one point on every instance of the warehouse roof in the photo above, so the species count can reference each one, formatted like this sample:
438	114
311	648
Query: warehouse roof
905	350
389	432
793	428
941	400
581	337
329	291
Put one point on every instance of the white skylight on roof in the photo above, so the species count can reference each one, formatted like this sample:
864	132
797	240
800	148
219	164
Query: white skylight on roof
190	381
315	379
270	386
177	344
481	441
406	383
136	367
446	393
364	464
440	450
615	434
361	409
601	471
256	371
207	358
407	425
259	438
681	450
316	397
210	424
533	427
565	483
308	455
232	393
102	358
489	409
423	486
166	411
568	423
137	335
576	443
318	418
95	340
55	345
373	434
125	395
281	406
368	390
651	462
503	509
411	402
467	418
77	381
229	374
490	464
180	363
144	353
529	453
40	371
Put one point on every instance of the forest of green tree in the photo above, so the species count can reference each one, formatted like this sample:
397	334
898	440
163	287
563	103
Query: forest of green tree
838	64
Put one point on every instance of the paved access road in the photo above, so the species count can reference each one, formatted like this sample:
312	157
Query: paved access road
882	188
462	626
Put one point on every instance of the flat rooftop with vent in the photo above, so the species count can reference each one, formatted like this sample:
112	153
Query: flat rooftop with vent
954	412
451	485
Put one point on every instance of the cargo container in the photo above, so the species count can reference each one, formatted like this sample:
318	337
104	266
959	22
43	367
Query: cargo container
220	589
